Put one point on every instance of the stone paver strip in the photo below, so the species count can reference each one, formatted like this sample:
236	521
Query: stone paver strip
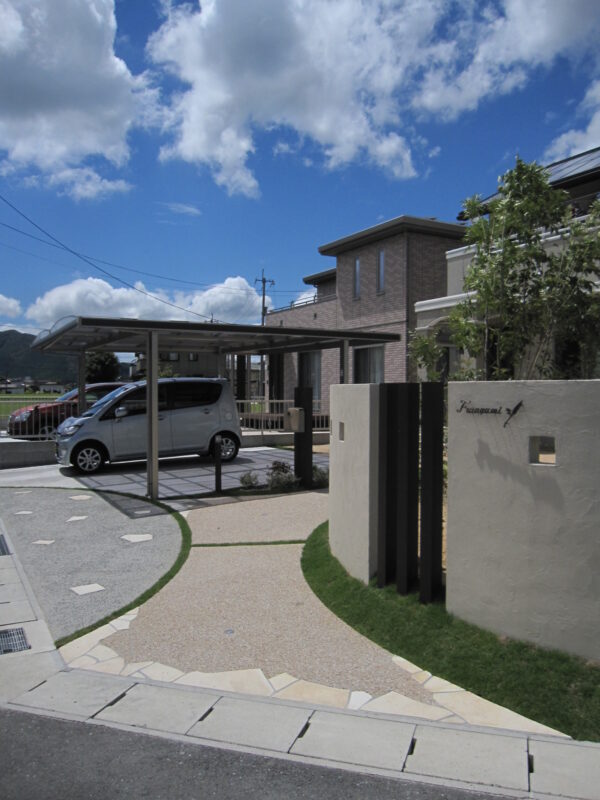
358	699
563	769
16	611
317	693
281	681
478	711
356	740
271	726
472	757
21	671
12	592
114	666
80	693
82	645
245	681
394	703
87	588
161	672
9	574
160	708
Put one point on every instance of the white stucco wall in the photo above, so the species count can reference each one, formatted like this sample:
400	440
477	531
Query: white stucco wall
354	477
523	540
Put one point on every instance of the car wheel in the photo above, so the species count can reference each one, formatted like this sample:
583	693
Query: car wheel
88	458
229	446
46	432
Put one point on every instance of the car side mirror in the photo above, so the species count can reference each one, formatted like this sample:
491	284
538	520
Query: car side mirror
121	411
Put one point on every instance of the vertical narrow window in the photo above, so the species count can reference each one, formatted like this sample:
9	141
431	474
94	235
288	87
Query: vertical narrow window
356	278
369	364
381	271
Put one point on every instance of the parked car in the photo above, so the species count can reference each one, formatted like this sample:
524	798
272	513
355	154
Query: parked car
41	420
191	413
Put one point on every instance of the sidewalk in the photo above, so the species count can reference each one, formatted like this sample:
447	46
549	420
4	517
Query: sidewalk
236	652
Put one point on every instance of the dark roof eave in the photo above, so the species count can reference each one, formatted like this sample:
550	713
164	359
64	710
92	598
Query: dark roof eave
320	277
391	228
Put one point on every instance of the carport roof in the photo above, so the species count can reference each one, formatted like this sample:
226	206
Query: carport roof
78	334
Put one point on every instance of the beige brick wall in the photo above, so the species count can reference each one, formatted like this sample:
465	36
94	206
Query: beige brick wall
389	311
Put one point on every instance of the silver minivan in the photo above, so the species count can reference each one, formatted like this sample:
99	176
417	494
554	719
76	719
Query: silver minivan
191	413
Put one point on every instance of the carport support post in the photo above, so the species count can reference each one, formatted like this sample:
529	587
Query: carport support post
81	404
152	407
345	361
303	441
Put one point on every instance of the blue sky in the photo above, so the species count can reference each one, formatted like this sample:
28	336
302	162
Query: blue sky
185	149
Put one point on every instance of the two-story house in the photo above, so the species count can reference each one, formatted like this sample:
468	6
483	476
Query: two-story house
579	176
380	274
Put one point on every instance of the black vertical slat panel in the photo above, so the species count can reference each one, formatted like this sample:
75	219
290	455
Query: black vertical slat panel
385	536
406	494
432	431
303	441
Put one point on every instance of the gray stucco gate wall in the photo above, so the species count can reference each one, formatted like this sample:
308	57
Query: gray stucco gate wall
523	529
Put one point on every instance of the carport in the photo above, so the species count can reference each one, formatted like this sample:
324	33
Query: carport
77	335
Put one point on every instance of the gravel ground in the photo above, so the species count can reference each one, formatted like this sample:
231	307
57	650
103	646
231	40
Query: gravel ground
245	607
84	551
292	516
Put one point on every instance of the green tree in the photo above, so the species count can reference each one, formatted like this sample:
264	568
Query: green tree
530	309
100	367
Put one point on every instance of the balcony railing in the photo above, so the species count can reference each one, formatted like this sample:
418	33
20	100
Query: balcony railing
269	415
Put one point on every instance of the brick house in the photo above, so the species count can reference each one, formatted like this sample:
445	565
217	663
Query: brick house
380	274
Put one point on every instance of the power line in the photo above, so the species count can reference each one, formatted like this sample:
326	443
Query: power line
95	266
128	269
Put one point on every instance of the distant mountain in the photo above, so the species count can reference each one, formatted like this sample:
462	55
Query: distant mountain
18	360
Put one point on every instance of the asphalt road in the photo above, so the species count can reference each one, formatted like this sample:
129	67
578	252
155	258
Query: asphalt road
43	758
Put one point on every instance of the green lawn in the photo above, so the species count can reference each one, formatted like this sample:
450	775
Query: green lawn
548	686
10	402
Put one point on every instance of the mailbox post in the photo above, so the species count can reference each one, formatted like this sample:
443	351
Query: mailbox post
303	438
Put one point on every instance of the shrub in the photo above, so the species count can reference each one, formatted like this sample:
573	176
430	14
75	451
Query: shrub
320	477
281	478
249	480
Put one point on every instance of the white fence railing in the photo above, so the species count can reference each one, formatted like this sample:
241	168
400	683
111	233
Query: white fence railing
269	415
31	417
256	414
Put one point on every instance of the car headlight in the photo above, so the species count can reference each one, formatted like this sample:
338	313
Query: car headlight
68	428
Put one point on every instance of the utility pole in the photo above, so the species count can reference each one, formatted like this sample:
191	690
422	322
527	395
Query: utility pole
263	315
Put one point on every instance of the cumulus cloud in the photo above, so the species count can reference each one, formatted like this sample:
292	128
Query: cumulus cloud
495	47
64	95
585	138
9	307
337	82
348	75
234	300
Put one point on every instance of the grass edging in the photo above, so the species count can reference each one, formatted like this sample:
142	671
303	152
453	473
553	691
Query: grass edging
184	551
549	686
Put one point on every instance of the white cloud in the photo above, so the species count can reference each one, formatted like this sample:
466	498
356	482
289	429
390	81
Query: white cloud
9	307
348	75
496	46
186	209
83	183
234	300
326	71
577	141
64	95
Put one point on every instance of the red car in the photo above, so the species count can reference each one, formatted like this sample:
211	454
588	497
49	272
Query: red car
40	421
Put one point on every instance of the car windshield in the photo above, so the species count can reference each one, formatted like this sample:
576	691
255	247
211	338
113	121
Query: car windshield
67	396
108	398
